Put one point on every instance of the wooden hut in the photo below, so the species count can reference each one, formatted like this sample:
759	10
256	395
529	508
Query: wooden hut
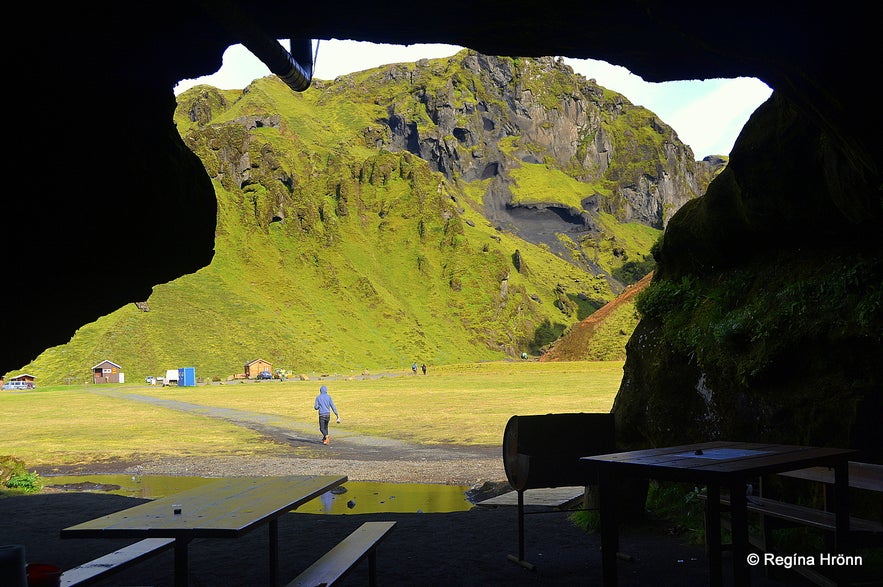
107	372
253	368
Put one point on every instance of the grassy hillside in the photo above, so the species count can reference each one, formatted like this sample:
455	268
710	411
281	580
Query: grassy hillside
333	256
367	291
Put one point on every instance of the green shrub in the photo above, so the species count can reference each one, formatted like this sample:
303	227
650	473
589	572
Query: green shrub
14	475
26	482
681	506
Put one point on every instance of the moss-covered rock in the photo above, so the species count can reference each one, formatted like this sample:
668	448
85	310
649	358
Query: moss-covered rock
764	321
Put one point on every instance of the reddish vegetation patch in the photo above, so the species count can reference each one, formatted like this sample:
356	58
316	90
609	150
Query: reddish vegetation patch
572	346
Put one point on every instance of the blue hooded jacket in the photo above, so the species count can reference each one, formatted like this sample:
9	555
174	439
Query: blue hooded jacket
324	403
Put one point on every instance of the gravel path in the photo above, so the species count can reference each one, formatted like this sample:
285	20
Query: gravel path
361	458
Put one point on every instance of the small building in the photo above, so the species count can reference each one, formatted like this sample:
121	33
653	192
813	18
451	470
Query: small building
24	381
24	377
108	372
252	369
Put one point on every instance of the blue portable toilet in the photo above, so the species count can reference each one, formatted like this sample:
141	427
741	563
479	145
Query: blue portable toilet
187	377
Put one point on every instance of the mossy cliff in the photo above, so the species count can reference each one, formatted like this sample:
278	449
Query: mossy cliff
451	210
537	150
764	320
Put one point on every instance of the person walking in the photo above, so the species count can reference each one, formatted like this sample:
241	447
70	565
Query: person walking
325	405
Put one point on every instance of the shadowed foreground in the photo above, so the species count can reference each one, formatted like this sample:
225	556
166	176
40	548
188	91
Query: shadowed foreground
450	549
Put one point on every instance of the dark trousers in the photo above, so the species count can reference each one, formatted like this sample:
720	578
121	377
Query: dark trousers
323	424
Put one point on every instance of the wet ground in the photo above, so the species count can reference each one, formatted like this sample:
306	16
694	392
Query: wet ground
360	457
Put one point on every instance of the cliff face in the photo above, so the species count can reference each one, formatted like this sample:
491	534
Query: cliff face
493	114
542	150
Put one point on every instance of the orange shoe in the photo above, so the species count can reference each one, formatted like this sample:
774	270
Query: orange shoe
326	440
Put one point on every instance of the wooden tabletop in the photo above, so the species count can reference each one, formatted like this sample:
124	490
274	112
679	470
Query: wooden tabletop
228	507
717	460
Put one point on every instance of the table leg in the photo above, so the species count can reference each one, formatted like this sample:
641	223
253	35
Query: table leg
609	527
713	533
181	564
739	517
274	552
841	507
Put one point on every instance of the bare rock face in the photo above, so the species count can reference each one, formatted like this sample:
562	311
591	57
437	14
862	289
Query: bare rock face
103	199
493	115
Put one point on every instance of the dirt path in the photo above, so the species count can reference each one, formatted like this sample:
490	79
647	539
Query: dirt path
362	458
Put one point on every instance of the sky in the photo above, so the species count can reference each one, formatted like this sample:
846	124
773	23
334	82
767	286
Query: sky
706	114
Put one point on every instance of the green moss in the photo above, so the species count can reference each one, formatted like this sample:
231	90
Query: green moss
536	183
739	323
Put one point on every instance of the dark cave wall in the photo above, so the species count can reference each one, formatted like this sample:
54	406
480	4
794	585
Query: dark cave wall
102	174
764	321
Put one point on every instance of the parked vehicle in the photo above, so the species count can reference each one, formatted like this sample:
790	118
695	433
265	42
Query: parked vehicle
171	377
19	385
265	375
150	379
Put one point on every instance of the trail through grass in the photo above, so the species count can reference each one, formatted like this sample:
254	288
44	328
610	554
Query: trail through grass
459	404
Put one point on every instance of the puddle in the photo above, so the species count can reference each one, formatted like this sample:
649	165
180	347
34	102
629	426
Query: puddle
353	497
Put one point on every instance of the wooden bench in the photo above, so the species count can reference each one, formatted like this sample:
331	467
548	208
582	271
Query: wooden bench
117	560
807	516
862	532
341	559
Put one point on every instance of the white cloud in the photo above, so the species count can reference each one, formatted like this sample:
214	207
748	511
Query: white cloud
707	115
335	58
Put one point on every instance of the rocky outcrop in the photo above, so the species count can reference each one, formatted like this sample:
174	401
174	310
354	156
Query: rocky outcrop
486	118
493	114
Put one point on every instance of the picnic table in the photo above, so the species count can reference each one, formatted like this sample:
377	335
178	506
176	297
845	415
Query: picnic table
722	464
226	508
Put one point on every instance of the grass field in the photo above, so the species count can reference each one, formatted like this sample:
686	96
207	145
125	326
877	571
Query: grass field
461	404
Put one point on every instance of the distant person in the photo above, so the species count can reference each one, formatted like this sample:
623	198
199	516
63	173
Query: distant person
414	368
325	405
423	366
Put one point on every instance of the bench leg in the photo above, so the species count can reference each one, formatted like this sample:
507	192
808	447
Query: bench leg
372	568
841	507
739	528
273	528
609	527
181	562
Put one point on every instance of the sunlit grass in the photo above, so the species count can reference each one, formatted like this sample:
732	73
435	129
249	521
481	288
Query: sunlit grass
77	426
459	404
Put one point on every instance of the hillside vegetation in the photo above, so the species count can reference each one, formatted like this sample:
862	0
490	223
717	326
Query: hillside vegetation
345	244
